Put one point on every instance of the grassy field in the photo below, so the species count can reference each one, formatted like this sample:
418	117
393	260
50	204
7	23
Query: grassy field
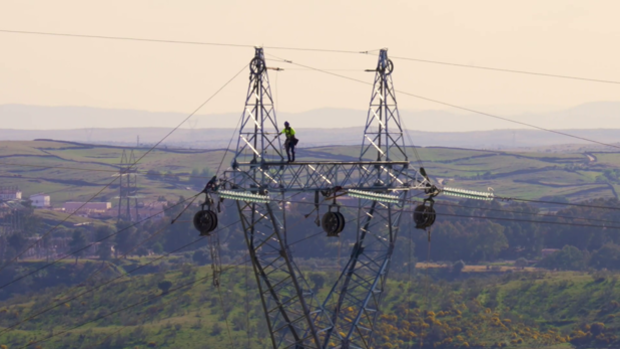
72	171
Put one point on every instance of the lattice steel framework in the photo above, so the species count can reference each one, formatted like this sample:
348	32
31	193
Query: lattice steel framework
383	131
295	318
256	141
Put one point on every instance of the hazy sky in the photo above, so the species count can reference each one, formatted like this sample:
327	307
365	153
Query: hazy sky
553	36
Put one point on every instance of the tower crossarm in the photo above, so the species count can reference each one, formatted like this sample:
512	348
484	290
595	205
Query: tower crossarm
326	175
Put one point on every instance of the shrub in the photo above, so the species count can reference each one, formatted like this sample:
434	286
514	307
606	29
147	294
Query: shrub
458	266
521	262
568	258
164	286
597	328
216	330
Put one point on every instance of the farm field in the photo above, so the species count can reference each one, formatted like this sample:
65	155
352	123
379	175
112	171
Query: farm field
74	171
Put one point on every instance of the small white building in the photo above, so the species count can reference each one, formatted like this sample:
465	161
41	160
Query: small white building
10	193
87	207
40	200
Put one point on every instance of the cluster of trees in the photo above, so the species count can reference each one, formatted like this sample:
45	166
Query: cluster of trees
572	258
471	231
17	226
609	175
476	231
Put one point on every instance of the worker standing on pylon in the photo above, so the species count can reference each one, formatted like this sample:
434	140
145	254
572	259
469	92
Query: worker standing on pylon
290	142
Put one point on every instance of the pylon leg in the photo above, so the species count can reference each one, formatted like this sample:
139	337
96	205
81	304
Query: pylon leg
353	302
286	296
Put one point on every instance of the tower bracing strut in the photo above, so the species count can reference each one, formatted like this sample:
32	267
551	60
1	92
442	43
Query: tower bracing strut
262	183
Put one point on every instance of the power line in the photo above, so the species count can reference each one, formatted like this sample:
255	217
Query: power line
127	169
489	209
454	105
68	254
493	218
504	70
533	213
123	38
228	146
206	177
506	119
183	42
308	49
313	235
558	203
96	170
533	221
139	267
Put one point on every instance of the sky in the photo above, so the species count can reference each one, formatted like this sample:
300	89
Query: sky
577	38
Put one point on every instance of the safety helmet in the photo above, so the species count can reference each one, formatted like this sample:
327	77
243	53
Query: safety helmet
286	123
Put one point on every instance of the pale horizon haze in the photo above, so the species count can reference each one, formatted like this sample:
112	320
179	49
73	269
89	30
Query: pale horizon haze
576	38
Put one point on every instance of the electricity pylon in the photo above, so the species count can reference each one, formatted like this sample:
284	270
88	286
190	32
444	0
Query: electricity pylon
128	187
261	183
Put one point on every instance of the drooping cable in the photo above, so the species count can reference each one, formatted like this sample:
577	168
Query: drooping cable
504	70
71	253
501	198
309	49
617	227
182	42
436	101
12	260
217	173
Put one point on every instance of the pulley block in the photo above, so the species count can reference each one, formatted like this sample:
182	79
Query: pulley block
205	221
257	66
387	68
333	222
424	216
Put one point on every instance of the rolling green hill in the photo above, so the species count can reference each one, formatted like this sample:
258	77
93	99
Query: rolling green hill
521	310
77	171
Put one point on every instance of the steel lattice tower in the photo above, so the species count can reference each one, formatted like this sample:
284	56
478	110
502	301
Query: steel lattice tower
128	188
260	180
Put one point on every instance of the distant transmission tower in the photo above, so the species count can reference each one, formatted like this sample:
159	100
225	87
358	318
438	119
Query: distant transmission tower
128	188
89	134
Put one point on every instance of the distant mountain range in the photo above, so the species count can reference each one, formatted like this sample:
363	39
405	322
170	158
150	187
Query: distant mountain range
600	121
219	138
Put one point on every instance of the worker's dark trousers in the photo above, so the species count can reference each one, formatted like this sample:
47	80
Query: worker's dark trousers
290	151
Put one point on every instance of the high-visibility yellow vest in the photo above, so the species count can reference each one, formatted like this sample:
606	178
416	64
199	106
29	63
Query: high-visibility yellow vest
288	132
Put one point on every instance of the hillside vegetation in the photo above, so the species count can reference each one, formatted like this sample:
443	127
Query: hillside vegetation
158	291
177	306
